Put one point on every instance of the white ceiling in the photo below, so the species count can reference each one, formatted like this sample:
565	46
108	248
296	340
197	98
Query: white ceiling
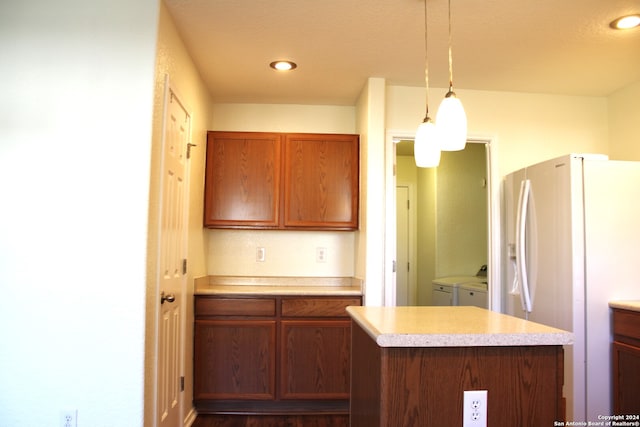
542	46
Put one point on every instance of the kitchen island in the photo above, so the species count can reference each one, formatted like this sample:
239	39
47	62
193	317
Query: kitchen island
411	365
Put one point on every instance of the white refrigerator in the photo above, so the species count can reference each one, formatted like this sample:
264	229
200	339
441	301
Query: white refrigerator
573	244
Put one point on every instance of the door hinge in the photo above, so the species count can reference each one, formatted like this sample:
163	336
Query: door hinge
393	266
184	266
189	145
181	383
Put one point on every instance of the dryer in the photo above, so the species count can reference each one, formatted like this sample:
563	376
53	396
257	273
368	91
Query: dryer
445	290
473	294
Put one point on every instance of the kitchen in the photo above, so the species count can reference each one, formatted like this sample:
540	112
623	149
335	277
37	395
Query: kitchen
519	122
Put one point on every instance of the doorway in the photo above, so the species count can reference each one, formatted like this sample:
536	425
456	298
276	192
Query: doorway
406	291
426	260
171	261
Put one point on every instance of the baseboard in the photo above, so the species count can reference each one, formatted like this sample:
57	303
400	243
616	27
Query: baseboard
190	418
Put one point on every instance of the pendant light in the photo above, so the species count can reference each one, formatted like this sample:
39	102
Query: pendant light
451	119
426	148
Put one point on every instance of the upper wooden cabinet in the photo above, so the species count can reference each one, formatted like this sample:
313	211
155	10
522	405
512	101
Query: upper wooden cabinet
242	181
282	181
321	181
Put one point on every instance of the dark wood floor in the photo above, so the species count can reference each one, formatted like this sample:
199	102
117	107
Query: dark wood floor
272	421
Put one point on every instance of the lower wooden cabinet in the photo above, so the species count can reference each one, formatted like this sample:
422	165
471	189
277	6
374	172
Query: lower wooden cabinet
315	358
243	367
272	354
626	362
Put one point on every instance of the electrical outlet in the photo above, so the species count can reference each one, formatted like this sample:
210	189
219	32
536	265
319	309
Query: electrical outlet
69	418
321	254
261	254
474	413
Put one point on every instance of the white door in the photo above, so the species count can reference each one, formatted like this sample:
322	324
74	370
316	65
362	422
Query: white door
172	262
402	246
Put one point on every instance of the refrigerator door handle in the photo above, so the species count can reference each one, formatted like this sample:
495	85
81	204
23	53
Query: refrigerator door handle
521	253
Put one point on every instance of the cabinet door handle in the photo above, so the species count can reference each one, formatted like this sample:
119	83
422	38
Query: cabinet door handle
167	298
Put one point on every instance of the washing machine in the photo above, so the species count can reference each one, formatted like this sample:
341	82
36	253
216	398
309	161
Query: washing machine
445	290
473	294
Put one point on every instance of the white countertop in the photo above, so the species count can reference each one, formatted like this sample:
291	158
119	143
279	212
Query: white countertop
633	305
452	327
251	285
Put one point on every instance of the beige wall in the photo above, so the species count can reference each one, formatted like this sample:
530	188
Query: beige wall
172	60
624	122
461	212
427	230
526	128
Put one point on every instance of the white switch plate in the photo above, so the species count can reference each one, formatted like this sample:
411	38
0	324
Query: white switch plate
474	412
261	254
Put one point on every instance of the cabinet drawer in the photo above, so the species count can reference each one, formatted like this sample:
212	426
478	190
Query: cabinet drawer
317	307
626	323
206	306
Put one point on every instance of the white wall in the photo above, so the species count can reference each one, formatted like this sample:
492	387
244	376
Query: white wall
288	253
75	143
370	248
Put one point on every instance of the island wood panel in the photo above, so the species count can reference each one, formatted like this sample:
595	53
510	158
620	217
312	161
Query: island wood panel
424	386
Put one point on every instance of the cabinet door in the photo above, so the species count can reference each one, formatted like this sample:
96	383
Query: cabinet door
235	359
242	184
626	378
315	358
321	181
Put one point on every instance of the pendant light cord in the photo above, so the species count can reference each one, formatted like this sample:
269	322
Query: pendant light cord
450	55
426	64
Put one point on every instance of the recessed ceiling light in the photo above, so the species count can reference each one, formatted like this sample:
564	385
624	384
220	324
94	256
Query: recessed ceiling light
283	65
626	22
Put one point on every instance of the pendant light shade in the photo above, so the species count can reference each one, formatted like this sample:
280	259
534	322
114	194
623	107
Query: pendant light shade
452	123
426	149
426	146
451	118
